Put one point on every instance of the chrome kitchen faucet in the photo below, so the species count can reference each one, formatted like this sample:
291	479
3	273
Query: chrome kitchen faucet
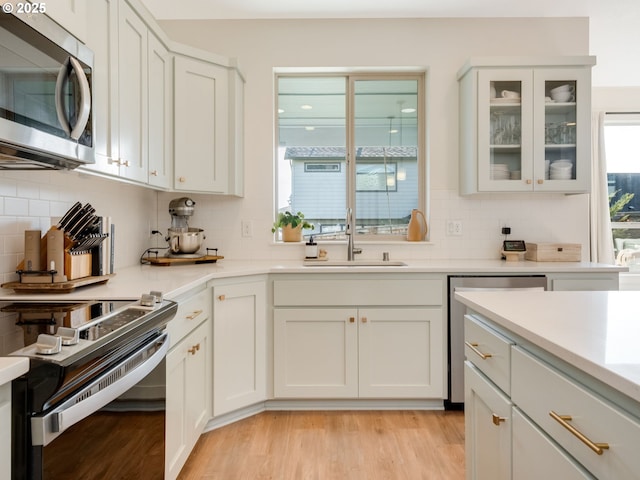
351	250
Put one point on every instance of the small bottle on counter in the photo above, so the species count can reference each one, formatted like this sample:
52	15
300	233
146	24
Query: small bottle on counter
311	249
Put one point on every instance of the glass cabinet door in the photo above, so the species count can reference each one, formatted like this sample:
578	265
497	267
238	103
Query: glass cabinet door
562	126
505	100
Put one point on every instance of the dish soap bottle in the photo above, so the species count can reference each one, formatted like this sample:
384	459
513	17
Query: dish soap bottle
417	229
311	249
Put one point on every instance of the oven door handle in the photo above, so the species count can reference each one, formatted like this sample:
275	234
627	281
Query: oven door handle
102	390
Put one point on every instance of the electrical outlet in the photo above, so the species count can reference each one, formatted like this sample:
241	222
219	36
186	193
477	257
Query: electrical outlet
454	227
247	228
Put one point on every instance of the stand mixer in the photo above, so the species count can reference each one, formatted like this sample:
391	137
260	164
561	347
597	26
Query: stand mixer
184	241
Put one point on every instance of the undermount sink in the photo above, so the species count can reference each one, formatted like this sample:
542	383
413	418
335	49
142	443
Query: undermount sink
354	263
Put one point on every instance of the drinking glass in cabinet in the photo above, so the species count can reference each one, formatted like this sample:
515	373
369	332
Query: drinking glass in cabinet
505	129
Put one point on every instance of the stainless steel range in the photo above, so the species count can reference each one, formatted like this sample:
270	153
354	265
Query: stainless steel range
96	369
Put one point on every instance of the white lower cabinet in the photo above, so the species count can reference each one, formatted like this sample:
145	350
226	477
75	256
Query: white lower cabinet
5	429
239	348
487	428
365	338
189	380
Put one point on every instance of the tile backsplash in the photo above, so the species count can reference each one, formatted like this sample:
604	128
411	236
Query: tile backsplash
33	200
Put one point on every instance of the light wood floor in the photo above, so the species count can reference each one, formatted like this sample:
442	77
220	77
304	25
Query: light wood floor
371	445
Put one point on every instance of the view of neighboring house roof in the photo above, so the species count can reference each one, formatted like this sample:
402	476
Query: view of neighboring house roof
297	153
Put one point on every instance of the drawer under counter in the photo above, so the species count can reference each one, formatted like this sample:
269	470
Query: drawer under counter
599	435
489	351
191	313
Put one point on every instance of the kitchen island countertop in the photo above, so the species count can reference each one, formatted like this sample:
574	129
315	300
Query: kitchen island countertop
132	282
596	332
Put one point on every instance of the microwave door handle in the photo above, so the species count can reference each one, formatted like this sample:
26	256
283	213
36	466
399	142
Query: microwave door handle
85	98
60	110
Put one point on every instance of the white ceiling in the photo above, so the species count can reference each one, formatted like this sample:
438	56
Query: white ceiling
614	31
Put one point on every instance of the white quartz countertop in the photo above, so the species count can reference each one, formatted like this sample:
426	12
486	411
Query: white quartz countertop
12	367
132	282
597	332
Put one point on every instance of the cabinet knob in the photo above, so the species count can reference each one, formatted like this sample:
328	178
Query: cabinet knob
221	298
352	319
194	349
182	179
194	314
363	319
497	419
540	181
529	181
154	173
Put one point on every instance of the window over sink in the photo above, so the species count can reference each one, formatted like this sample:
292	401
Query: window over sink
351	141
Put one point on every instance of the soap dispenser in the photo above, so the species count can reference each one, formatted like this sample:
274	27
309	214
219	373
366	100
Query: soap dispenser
311	249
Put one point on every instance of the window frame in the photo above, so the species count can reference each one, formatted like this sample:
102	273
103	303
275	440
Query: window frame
351	77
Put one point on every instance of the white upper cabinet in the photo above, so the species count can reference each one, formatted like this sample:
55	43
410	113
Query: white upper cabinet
525	125
132	95
72	15
160	119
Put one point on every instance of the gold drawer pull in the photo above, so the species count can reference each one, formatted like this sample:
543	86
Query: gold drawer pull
352	319
221	298
497	419
194	349
364	319
473	346
564	420
194	314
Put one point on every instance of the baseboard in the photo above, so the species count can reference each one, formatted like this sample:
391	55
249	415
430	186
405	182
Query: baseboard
328	404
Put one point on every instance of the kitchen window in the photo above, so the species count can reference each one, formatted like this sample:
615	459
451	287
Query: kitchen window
368	131
622	147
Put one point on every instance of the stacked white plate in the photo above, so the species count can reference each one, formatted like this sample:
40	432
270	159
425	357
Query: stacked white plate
500	171
561	170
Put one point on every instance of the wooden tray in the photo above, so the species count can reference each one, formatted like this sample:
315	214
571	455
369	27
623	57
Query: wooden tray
59	287
167	261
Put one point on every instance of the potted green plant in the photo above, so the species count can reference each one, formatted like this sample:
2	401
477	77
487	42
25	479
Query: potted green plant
291	225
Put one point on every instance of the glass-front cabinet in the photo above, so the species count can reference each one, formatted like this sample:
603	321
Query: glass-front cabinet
526	128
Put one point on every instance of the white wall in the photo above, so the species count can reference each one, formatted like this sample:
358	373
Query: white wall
439	45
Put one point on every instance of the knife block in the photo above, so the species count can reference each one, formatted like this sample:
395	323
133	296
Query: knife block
61	275
77	266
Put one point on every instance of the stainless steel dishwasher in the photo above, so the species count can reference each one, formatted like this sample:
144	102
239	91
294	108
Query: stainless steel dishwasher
456	321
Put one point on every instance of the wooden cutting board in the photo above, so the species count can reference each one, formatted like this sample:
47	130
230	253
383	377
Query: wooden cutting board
167	261
58	287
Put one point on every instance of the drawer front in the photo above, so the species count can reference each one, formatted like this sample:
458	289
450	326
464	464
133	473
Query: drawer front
536	456
591	416
489	351
331	292
191	313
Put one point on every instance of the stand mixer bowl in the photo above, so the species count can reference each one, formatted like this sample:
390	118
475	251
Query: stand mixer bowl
185	240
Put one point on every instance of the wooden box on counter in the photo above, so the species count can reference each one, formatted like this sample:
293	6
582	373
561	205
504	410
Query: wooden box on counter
553	252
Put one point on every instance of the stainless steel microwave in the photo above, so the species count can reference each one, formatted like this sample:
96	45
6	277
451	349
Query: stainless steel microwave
45	95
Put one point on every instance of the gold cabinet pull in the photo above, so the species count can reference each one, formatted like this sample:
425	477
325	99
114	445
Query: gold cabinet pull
564	420
364	319
194	349
540	181
221	298
473	346
528	181
497	419
352	319
194	314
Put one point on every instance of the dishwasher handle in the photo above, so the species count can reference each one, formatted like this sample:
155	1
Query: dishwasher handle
103	390
496	289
